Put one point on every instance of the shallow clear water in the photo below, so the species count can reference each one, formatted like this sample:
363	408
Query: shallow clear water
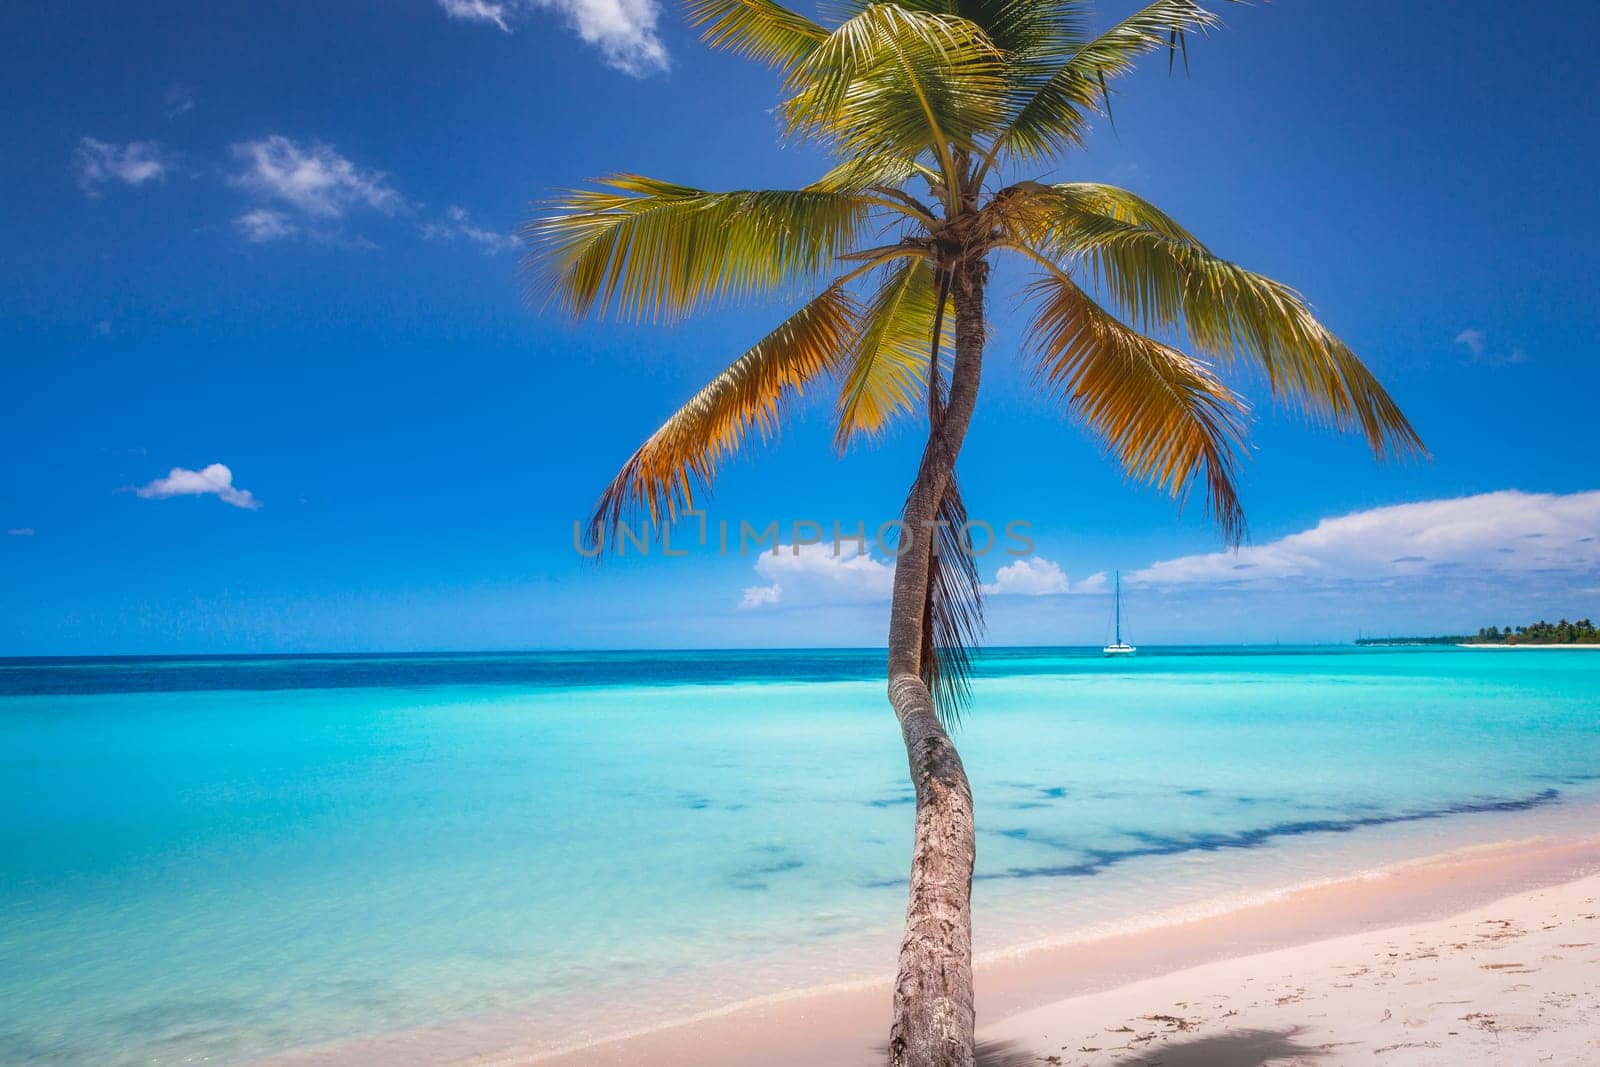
227	858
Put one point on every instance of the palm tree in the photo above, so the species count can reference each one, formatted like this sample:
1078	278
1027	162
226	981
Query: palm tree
940	116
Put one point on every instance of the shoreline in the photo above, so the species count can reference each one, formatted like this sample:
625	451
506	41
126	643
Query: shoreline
1471	644
844	1025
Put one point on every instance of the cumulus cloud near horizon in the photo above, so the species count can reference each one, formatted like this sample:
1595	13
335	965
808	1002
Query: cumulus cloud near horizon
813	574
625	31
215	480
1029	576
1499	534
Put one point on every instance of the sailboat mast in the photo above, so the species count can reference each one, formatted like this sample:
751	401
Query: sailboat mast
1119	607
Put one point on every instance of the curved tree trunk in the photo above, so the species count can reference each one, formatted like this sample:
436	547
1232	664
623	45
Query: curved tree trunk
933	1000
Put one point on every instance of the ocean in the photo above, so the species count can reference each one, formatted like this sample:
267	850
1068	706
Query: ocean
226	859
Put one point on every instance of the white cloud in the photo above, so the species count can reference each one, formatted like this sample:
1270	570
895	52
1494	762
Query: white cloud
756	596
135	163
20	531
1095	583
1034	576
311	178
1502	534
215	480
458	226
623	30
478	11
265	224
812	574
1476	342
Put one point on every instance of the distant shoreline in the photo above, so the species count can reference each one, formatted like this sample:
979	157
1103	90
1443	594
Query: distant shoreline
1485	644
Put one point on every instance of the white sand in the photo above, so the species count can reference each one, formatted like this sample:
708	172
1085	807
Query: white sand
1516	982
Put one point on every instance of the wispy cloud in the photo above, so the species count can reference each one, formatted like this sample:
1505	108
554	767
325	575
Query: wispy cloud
1476	342
458	225
311	178
20	531
215	480
177	101
1502	534
1032	576
490	11
625	31
812	574
99	163
265	224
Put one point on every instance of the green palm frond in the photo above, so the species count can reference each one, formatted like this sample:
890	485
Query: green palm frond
890	81
756	29
1110	201
1030	33
1165	417
1163	282
859	173
886	371
648	249
662	477
1056	113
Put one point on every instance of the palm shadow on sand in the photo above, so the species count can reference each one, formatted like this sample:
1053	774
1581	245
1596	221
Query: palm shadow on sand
1237	1048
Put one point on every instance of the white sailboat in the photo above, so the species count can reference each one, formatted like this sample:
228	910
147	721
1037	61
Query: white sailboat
1119	647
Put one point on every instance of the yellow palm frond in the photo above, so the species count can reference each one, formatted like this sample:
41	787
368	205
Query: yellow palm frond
756	29
886	371
662	477
1163	282
649	249
1055	114
1163	414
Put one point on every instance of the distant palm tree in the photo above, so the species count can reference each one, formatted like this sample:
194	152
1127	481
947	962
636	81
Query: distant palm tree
939	114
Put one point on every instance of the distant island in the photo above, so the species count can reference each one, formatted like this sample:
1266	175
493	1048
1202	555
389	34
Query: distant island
1581	632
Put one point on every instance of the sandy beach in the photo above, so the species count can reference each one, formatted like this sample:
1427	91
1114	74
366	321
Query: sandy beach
1514	982
1483	956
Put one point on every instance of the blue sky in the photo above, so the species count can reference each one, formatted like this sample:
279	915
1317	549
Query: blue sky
276	238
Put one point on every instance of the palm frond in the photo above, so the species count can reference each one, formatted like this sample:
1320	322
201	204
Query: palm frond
1110	201
952	620
648	249
1165	417
1163	282
887	369
1029	33
661	478
892	81
1055	114
756	29
860	173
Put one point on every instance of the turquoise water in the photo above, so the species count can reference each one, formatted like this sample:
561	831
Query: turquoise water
224	859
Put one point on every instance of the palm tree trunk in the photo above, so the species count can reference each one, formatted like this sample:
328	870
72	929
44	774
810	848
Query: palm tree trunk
933	1000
